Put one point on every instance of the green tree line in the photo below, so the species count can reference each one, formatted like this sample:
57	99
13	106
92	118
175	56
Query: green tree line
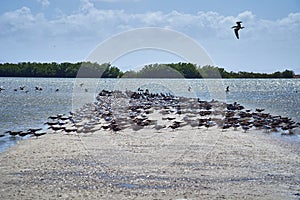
188	70
106	70
81	69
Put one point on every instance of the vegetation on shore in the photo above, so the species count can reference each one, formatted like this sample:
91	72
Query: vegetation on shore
106	70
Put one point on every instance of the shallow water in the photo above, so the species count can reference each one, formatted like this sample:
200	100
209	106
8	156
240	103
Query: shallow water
30	108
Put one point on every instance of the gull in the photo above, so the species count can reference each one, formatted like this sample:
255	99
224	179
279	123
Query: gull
237	28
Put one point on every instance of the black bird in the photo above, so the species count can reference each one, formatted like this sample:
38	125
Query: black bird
39	133
235	126
245	128
52	123
226	126
24	133
13	133
71	129
115	127
107	126
237	28
174	126
53	117
259	110
32	130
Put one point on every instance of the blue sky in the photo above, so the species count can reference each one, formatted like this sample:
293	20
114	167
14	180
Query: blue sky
68	30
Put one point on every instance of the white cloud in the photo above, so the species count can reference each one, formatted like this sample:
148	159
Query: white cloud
86	5
85	28
44	3
89	21
21	22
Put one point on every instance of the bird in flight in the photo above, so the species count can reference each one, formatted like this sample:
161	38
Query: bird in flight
237	28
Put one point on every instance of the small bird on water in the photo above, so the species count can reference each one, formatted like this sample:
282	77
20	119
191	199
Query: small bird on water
237	28
227	89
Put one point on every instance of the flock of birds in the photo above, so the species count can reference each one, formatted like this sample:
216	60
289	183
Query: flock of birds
116	111
36	88
26	90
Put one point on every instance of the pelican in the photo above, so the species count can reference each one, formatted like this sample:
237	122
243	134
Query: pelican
237	28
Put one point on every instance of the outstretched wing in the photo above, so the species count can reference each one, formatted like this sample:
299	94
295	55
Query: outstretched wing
236	31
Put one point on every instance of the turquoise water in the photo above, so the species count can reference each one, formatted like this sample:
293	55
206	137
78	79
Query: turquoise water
30	108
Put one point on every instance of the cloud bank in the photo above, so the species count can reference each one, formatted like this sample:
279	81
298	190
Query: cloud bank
88	25
88	21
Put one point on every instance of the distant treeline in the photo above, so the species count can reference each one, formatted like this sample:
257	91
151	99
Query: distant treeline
106	70
69	70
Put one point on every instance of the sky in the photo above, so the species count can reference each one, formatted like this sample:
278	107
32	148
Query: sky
69	30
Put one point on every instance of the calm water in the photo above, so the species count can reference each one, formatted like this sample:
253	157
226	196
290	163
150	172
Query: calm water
30	108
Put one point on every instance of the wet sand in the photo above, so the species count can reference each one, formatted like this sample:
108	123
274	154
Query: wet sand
188	163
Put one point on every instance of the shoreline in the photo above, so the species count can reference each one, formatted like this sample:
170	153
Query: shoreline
153	147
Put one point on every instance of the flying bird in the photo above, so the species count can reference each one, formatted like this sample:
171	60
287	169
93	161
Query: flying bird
237	28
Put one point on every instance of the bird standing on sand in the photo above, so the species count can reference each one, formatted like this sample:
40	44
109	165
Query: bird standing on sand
245	128
13	133
237	28
174	126
39	133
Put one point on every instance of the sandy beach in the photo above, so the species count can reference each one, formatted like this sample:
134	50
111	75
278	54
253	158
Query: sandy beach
183	162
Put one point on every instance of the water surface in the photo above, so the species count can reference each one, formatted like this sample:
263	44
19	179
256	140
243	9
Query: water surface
30	108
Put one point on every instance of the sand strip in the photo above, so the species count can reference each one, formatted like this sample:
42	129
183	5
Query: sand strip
149	146
188	163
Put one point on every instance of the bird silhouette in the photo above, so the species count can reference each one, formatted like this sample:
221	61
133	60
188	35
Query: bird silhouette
237	28
39	133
